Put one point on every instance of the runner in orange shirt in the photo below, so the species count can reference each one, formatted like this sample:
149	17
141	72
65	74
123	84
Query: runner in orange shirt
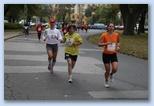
111	43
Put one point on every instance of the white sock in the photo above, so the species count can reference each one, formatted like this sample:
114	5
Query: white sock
70	76
53	64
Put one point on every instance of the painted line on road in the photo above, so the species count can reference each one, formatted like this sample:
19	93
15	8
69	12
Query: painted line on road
119	94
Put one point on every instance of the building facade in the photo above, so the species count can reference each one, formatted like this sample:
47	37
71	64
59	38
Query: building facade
79	14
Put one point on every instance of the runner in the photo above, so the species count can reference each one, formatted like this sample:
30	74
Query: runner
86	27
39	29
51	36
26	30
73	40
64	29
111	42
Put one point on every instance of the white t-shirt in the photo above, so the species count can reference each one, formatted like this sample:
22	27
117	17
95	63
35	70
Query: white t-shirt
50	34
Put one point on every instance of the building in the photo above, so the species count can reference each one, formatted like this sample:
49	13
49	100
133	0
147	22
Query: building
79	14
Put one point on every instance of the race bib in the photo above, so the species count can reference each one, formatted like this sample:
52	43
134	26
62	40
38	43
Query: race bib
52	36
69	41
111	47
64	31
39	29
26	27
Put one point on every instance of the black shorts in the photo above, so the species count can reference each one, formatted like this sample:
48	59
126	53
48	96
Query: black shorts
109	58
52	47
73	57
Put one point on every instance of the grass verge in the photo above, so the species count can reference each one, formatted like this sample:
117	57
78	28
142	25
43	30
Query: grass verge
136	45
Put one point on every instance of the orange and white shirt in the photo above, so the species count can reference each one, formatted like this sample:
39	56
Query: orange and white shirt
110	48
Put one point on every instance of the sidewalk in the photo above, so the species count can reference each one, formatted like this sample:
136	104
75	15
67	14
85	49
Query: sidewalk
9	35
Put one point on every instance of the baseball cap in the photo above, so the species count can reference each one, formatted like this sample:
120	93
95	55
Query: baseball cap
52	20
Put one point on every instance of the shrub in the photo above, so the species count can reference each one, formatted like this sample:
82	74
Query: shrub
12	26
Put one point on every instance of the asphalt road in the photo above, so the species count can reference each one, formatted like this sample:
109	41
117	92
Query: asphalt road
26	76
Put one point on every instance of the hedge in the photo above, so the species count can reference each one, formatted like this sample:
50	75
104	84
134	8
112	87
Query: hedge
12	26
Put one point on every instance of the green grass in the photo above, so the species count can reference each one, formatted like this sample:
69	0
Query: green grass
136	45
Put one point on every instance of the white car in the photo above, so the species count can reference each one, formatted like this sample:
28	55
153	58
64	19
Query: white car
6	21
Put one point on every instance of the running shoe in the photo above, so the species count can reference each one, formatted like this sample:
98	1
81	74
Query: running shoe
106	84
70	80
51	69
49	66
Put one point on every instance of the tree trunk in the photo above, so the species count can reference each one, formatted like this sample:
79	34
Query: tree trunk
6	9
129	19
129	25
141	23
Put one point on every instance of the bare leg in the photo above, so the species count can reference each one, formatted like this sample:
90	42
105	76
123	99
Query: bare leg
54	58
50	56
107	72
114	67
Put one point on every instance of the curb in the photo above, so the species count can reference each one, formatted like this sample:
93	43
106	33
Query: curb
11	37
15	36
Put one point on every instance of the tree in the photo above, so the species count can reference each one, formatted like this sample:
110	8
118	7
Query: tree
12	11
109	12
142	19
130	14
62	10
46	11
103	12
32	9
90	13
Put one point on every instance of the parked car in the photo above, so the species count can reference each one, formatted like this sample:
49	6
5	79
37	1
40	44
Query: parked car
100	26
146	28
97	26
44	24
6	21
120	27
30	23
116	27
93	27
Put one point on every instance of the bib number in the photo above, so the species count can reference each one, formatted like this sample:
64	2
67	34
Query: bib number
69	41
111	47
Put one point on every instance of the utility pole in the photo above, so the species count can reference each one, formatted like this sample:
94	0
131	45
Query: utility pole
25	12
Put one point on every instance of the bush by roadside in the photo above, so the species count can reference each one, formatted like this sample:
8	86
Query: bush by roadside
12	26
136	45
